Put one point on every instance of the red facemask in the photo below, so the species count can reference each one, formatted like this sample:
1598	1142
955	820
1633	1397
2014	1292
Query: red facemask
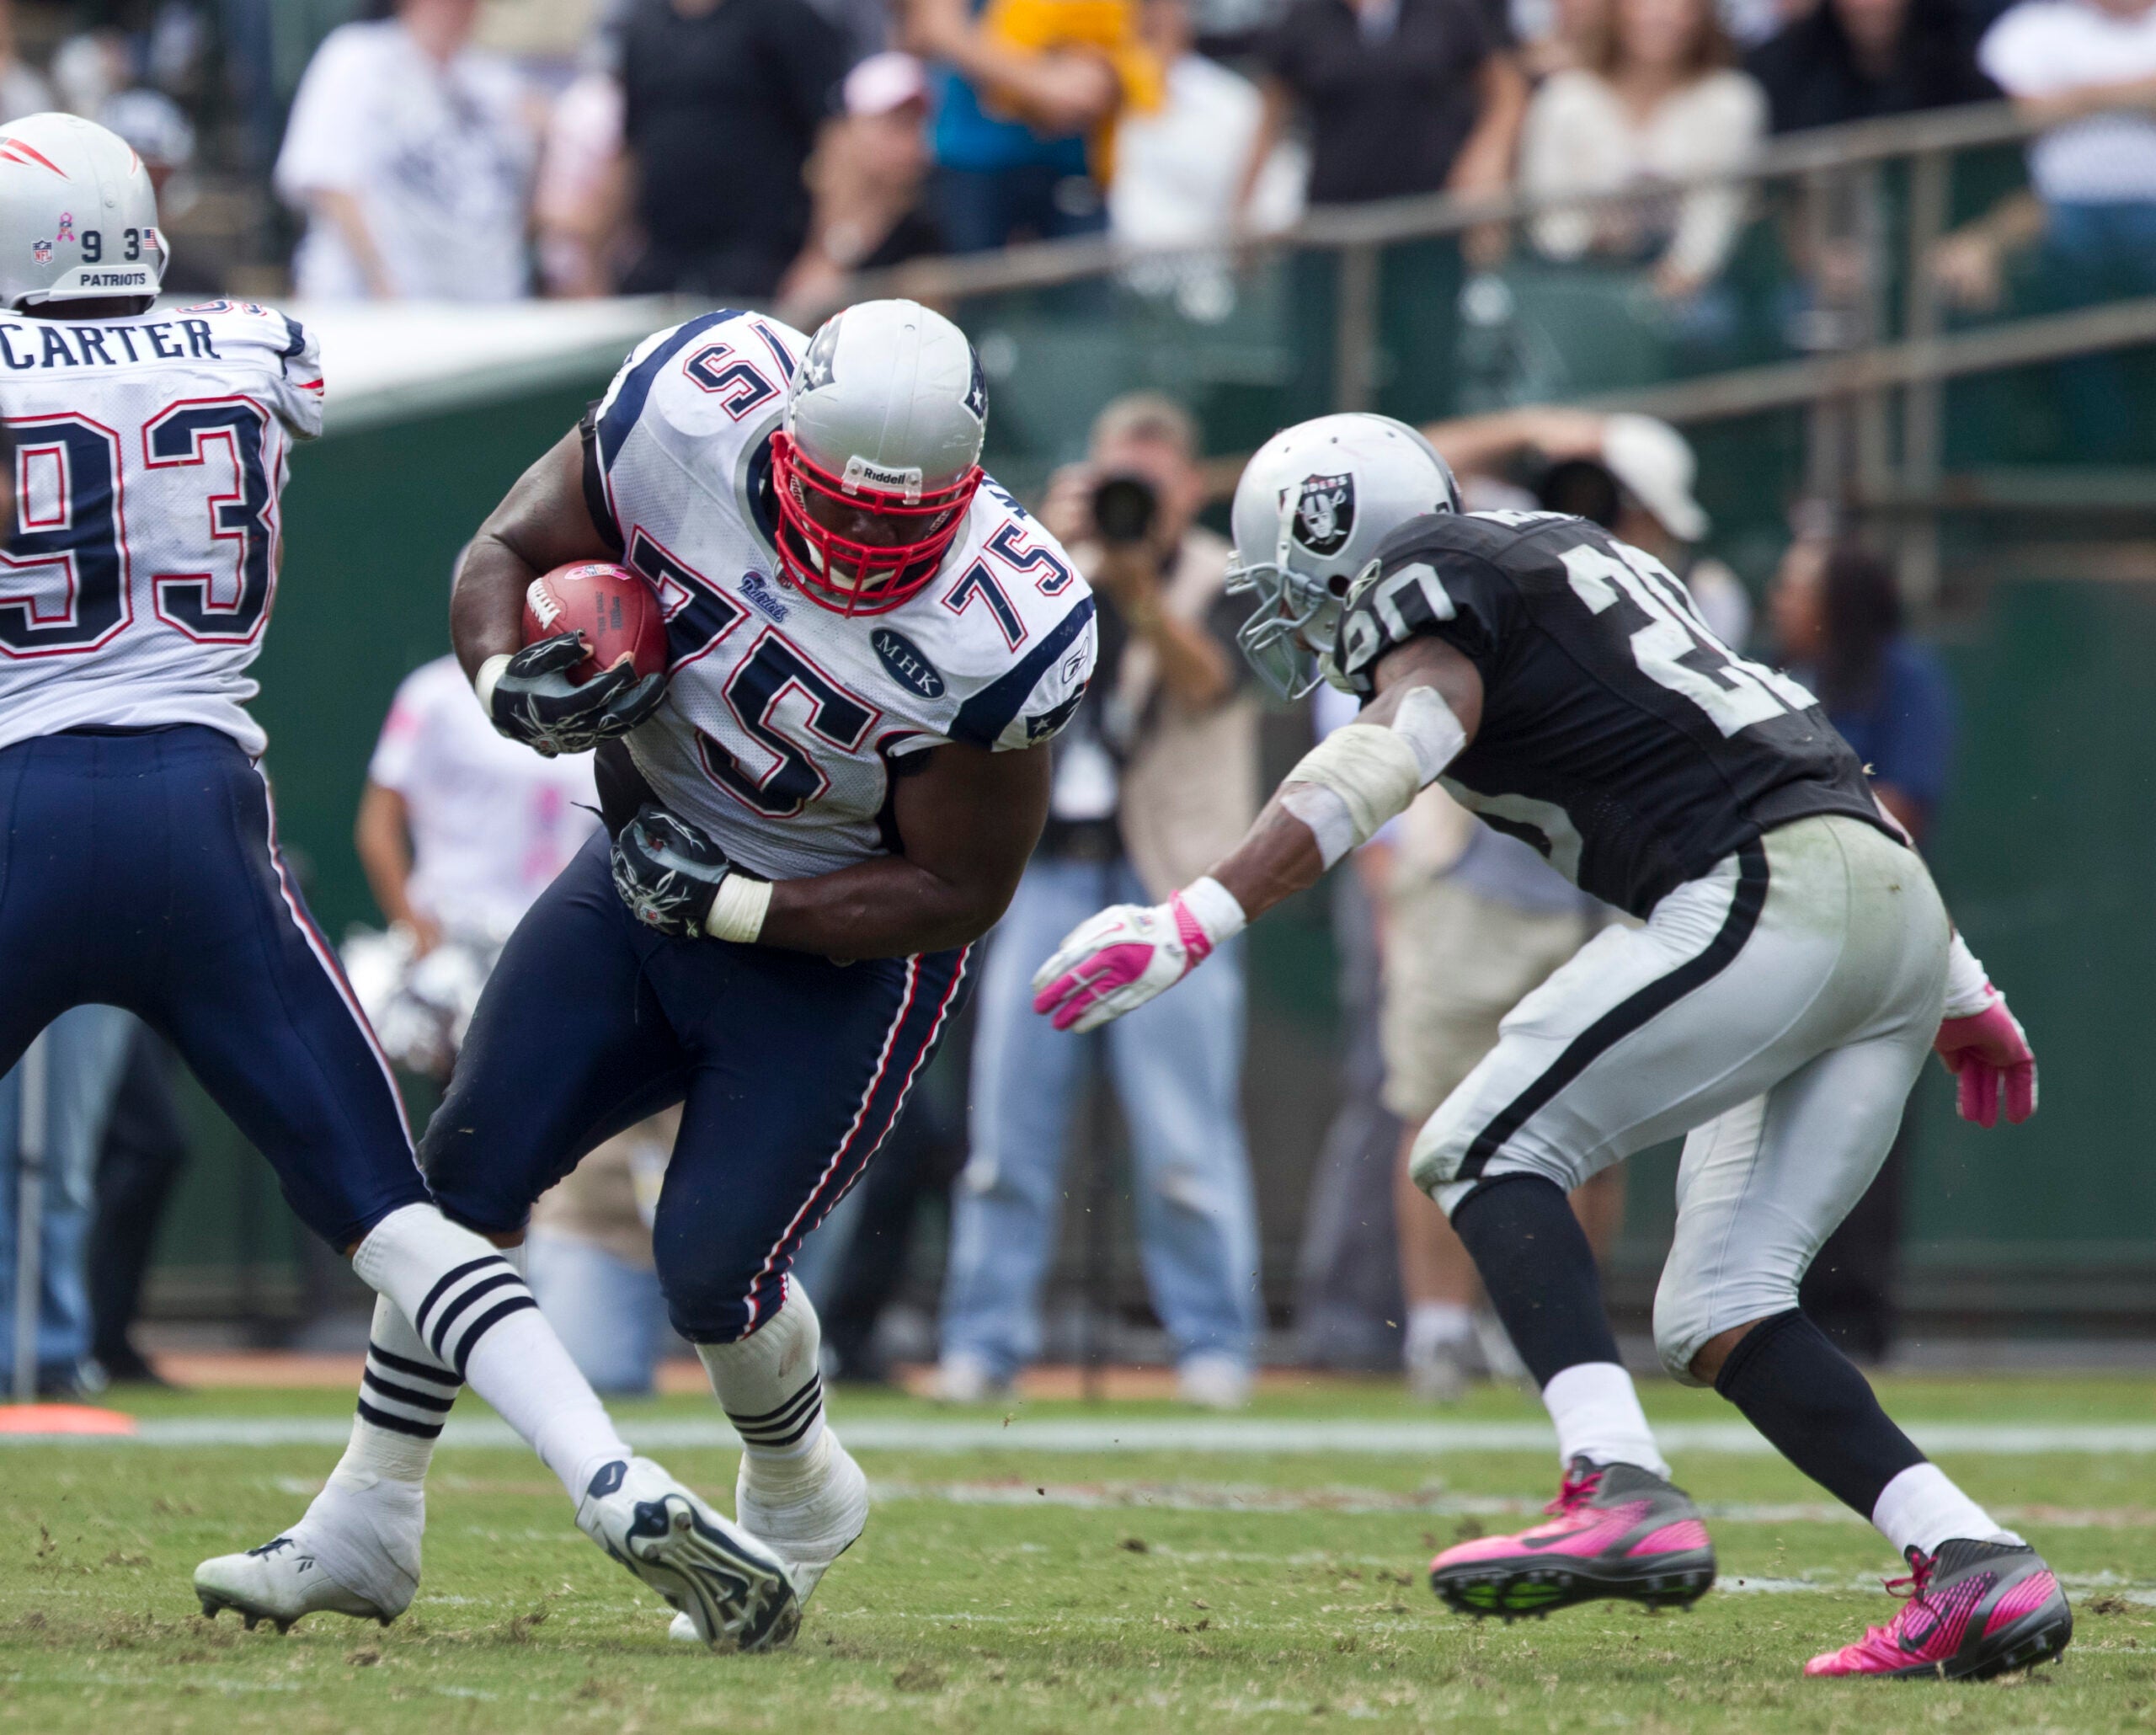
854	578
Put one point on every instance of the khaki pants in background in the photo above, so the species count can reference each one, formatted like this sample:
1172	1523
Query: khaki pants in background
1456	962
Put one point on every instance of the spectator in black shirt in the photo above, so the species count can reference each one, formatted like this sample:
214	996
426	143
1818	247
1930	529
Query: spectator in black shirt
1868	60
725	101
1861	60
1400	97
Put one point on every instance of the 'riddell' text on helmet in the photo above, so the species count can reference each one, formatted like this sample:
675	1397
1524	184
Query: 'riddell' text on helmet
880	457
1313	504
78	221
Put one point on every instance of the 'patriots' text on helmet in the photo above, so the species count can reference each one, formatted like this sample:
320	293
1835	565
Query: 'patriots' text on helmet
879	456
78	221
1312	506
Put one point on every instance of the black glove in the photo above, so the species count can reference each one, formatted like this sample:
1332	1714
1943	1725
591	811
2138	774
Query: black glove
668	872
536	702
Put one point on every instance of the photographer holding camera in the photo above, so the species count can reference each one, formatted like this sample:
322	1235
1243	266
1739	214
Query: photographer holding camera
1154	778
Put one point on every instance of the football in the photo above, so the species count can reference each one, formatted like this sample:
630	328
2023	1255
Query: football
609	604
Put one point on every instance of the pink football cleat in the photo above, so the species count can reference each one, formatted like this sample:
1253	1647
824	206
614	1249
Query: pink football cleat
1614	1531
1974	1609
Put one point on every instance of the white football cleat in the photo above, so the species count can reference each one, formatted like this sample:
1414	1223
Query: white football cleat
734	1592
280	1582
810	1520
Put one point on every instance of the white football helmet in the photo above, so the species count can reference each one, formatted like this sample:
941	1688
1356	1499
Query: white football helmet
1313	504
78	221
880	454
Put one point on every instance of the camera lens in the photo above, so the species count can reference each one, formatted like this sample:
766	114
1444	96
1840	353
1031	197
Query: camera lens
1123	509
1582	489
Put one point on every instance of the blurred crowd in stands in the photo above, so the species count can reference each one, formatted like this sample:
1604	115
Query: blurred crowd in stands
768	149
765	148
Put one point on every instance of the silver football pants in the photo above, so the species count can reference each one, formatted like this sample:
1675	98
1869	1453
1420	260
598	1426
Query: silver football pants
1777	1010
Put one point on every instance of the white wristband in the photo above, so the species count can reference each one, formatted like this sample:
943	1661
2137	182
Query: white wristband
1968	989
483	683
739	910
1215	908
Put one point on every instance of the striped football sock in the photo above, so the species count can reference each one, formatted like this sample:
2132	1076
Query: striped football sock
475	1317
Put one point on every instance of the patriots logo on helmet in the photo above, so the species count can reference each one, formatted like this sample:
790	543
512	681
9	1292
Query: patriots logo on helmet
818	366
977	389
1325	513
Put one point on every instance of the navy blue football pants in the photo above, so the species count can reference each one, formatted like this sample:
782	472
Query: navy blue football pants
790	1069
140	869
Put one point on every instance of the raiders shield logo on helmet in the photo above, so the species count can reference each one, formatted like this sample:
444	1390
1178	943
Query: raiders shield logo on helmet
1325	513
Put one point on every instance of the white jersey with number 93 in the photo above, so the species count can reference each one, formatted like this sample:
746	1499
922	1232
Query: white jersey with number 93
149	453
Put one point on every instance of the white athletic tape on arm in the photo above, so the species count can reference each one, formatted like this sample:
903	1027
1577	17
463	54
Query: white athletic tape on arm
1426	723
1357	778
483	683
1968	989
738	912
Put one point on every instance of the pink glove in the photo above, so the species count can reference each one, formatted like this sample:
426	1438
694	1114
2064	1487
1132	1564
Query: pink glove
1113	963
1984	1050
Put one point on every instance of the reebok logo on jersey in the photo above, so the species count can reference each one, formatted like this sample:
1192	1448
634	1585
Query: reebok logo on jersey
1325	513
756	591
903	658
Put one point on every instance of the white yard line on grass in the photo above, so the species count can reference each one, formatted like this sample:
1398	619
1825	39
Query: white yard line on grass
1244	1436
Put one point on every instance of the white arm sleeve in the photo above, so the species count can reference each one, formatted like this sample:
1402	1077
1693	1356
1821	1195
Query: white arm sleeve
1357	778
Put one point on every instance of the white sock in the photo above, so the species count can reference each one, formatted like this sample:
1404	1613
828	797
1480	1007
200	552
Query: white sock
1598	1416
1433	1324
473	1313
1922	1508
769	1387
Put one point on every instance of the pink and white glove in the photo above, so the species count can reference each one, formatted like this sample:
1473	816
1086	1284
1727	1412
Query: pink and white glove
1983	1045
1113	963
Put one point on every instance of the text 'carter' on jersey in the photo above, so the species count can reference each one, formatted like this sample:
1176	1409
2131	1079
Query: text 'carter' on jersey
785	722
1619	735
150	454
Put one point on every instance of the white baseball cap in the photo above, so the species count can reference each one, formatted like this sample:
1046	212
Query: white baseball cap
885	81
1654	463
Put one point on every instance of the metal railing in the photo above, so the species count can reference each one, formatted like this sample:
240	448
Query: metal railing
1874	393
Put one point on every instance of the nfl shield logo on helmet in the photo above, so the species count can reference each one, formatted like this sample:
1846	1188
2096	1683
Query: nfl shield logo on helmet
1325	513
41	251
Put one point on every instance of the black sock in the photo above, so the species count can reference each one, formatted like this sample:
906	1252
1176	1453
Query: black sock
1535	1262
1817	1409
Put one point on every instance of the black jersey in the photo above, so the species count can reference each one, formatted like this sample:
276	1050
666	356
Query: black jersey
1619	735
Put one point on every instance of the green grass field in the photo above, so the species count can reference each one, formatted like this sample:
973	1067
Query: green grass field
1020	1588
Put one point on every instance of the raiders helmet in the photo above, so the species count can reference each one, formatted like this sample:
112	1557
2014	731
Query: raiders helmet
1311	508
78	221
879	455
